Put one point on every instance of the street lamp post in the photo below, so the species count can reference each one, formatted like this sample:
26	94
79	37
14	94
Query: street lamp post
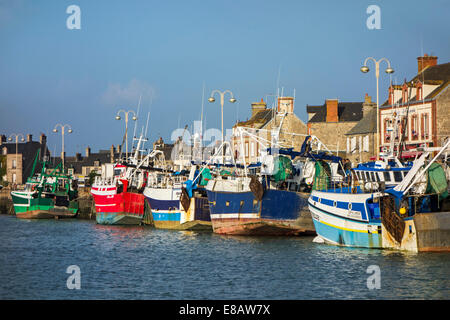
389	70
232	100
126	113
55	130
16	135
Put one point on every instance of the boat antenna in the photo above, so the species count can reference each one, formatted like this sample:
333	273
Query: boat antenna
146	126
278	86
201	124
135	123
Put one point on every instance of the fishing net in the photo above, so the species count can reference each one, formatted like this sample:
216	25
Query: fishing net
283	167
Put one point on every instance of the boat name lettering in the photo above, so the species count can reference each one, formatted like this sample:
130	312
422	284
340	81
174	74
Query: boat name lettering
354	214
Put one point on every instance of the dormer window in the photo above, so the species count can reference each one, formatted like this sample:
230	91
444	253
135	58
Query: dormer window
404	94
419	91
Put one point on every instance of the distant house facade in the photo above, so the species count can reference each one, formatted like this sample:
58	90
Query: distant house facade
19	157
361	139
82	166
331	121
417	111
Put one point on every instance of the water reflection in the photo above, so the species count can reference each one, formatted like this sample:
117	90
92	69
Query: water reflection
140	262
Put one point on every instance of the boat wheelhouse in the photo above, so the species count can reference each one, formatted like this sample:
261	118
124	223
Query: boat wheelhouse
380	173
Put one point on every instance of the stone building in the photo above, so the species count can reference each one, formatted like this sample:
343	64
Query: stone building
82	166
268	125
19	157
417	112
331	121
361	139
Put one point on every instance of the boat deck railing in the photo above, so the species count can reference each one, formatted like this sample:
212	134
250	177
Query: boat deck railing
105	181
348	184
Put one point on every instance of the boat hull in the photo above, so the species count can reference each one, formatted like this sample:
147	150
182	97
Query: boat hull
28	207
125	208
239	213
118	218
338	224
167	212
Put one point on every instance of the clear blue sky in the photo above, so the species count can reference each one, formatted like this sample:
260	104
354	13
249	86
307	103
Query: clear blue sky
166	50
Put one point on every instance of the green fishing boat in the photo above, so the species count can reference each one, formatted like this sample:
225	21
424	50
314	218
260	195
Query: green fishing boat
47	196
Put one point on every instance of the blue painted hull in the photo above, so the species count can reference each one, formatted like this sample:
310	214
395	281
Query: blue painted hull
349	237
348	219
239	213
166	214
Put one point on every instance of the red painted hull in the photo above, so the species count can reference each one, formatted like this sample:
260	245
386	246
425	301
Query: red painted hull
108	201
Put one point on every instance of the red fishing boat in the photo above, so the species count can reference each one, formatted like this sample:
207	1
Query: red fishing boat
118	200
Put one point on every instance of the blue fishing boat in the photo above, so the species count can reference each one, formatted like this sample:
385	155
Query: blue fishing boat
348	215
175	202
237	210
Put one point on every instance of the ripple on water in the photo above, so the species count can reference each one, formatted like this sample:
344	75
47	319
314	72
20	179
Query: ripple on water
143	263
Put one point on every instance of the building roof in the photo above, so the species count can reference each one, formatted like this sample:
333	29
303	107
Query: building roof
347	111
439	72
259	119
367	124
434	75
28	150
77	163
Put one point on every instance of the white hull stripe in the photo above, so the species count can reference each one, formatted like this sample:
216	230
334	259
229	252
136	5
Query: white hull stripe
235	216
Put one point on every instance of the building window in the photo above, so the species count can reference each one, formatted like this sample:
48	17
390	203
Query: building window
387	136
14	178
252	149
414	128
397	131
419	92
246	149
404	128
424	126
14	164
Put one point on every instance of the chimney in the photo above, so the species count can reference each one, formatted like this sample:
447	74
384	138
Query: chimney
111	154
332	110
286	104
258	106
118	149
77	156
368	105
425	62
29	137
88	152
43	139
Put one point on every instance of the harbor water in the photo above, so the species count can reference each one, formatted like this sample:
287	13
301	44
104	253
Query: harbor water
144	263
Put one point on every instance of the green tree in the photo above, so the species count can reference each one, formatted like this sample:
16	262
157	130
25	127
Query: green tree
92	176
2	167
